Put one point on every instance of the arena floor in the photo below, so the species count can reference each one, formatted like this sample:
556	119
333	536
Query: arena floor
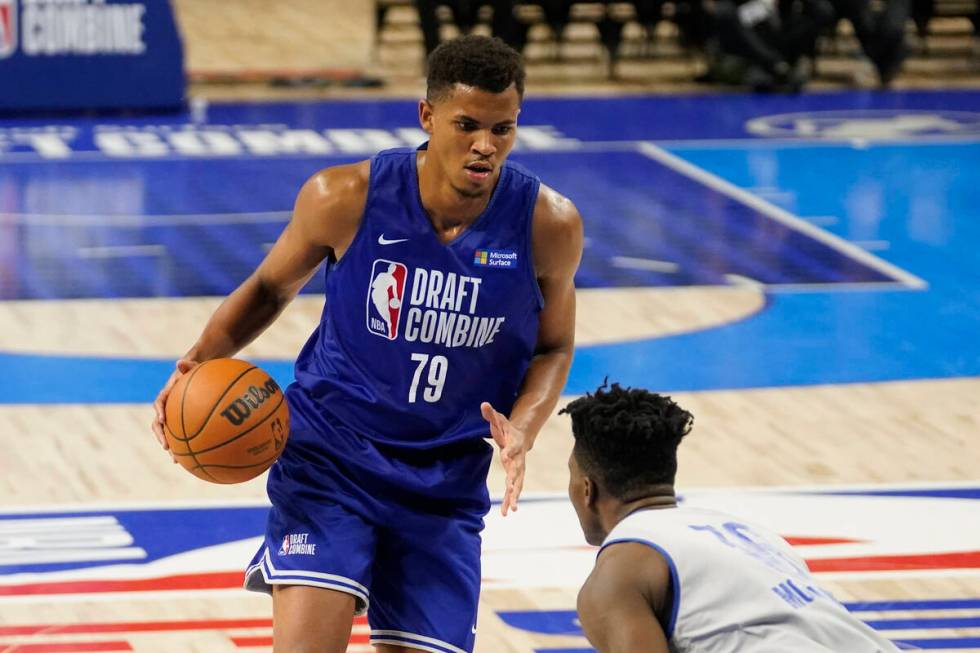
799	272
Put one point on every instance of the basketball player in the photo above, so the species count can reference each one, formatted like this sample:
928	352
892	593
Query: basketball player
380	494
683	579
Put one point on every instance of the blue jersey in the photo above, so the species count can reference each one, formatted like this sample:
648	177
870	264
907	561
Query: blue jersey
416	333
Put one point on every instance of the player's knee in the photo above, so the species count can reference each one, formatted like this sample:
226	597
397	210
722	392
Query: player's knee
311	620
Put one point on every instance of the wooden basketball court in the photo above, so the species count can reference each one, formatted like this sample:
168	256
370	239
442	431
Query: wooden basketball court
907	431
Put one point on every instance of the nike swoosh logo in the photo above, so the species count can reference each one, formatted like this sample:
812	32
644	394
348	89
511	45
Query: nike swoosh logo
384	241
473	630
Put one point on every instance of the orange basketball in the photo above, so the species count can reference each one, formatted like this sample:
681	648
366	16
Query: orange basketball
226	421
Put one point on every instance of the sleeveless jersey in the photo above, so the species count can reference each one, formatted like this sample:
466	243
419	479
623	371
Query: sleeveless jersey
416	333
737	587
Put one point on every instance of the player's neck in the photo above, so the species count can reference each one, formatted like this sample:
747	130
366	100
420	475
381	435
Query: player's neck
654	498
450	211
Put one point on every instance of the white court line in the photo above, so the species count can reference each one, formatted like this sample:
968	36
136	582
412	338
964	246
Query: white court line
802	141
821	220
867	286
142	221
121	251
873	245
782	216
634	263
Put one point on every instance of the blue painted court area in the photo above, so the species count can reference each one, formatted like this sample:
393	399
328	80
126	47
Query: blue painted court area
855	213
639	235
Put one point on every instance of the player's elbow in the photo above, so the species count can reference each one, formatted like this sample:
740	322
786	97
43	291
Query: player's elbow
270	295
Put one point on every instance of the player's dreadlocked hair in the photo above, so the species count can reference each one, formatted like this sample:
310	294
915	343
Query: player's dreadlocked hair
485	63
627	438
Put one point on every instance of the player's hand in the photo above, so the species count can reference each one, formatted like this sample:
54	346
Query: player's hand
513	450
184	365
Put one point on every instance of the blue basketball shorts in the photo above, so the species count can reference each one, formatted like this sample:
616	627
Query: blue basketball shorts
398	529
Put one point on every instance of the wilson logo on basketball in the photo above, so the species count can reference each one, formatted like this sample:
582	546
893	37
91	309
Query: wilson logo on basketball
239	409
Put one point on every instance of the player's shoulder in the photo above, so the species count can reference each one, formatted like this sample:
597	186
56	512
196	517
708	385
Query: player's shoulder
338	191
331	202
621	568
554	210
615	572
338	182
556	232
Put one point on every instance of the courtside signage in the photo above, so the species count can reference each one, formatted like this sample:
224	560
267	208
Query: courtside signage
215	140
90	54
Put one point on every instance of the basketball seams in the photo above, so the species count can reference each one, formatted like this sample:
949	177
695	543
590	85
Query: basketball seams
183	427
173	437
272	413
221	398
217	403
183	401
263	464
188	453
226	383
267	462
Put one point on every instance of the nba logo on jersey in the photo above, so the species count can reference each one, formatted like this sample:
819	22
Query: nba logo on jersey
284	549
8	27
384	298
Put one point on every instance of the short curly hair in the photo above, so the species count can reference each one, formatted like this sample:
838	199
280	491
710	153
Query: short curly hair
482	62
627	437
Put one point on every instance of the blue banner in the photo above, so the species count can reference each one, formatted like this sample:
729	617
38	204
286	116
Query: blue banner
89	54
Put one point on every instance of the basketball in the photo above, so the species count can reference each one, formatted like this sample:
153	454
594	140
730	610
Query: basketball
226	421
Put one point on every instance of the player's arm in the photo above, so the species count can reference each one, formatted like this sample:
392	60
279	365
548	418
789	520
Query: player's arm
620	602
325	218
557	245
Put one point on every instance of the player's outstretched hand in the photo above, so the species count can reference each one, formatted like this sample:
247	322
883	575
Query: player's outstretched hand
183	366
513	450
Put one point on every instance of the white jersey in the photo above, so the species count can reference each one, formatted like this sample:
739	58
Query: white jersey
737	587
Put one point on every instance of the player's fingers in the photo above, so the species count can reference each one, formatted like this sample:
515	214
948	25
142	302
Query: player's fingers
505	503
515	481
158	431
493	416
516	495
161	436
184	365
487	411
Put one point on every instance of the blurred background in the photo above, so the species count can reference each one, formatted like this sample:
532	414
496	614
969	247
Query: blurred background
634	46
782	212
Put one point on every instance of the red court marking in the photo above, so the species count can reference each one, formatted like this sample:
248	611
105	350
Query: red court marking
211	581
817	541
229	580
141	626
64	647
926	561
255	642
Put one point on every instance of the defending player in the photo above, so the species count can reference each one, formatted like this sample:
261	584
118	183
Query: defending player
449	304
675	578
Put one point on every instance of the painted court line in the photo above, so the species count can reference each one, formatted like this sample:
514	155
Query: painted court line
782	216
141	221
121	251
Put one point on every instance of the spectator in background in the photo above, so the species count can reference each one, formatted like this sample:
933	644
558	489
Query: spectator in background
764	43
465	15
881	33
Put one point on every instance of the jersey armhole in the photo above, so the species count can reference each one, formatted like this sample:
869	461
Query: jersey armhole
529	242
364	213
675	583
